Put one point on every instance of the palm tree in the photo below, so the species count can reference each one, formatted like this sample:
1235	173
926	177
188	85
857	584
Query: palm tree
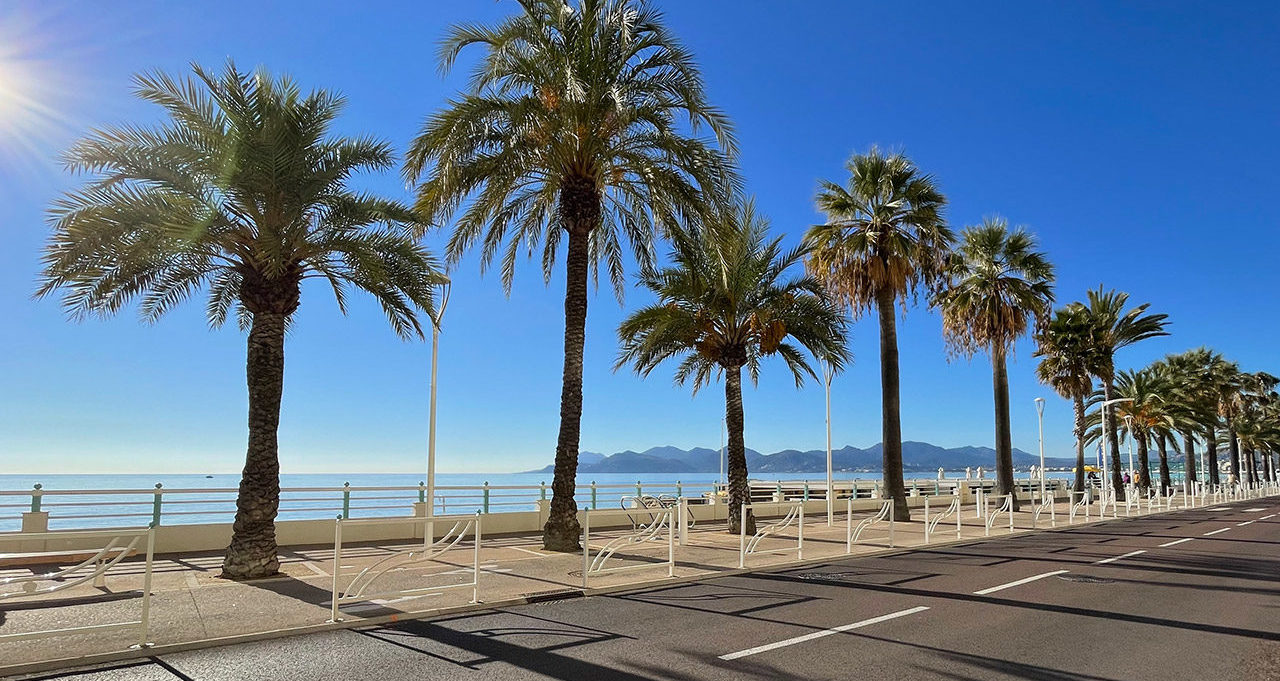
1192	372
243	191
1000	285
1068	349
1251	412
1176	411
571	131
1147	415
1118	328
885	240
724	305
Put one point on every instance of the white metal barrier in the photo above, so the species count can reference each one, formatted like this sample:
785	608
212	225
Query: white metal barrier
795	514
119	544
1046	502
652	531
931	524
1077	505
852	534
1005	508
356	589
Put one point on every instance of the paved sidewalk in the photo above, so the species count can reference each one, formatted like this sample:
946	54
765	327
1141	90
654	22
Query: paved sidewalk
191	607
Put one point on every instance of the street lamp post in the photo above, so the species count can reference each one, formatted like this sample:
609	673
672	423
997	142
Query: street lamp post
1106	438
1040	419
431	420
827	374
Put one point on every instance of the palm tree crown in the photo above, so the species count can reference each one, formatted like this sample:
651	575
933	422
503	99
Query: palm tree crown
885	234
1068	348
572	123
243	191
1001	285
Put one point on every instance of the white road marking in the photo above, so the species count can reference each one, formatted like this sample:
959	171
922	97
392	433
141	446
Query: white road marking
308	565
1175	542
1267	517
1020	582
1247	522
1112	560
1254	510
1210	534
536	553
824	632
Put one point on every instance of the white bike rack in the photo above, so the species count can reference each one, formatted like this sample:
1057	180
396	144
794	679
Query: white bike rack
931	524
852	534
119	544
1044	503
794	515
1007	509
356	589
659	520
1077	505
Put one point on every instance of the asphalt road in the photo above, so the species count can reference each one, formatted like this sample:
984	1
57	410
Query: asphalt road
1188	595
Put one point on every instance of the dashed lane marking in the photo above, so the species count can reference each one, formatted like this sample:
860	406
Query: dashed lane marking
1019	582
824	632
1121	557
1175	542
1210	534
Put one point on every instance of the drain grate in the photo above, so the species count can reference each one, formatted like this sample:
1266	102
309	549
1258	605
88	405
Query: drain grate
1085	579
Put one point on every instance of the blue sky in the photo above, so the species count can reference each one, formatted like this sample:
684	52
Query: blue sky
1138	140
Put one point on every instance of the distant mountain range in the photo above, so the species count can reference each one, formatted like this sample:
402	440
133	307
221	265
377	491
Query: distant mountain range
916	456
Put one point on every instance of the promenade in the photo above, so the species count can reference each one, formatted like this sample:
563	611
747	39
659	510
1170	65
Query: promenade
1170	594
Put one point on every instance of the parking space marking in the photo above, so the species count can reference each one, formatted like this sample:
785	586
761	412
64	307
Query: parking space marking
825	632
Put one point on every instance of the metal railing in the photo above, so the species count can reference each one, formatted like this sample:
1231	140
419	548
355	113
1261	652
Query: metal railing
853	534
118	545
794	515
356	589
1046	503
659	519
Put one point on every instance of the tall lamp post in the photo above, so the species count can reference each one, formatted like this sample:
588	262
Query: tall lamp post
1128	426
1106	437
827	374
1040	418
431	420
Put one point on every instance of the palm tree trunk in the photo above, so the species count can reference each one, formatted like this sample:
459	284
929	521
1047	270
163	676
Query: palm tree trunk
1144	466
1250	466
1233	449
1189	455
1004	439
1113	456
891	421
252	552
1162	444
739	494
580	208
1078	405
1211	455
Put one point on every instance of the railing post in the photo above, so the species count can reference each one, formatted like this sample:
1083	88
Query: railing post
346	500
155	507
593	495
486	497
422	493
639	491
337	567
806	490
542	490
892	522
1010	513
800	535
926	520
586	543
742	538
679	490
36	493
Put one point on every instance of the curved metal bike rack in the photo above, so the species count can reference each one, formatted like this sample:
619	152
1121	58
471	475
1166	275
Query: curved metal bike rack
661	519
852	534
1006	508
795	514
1040	508
355	590
931	524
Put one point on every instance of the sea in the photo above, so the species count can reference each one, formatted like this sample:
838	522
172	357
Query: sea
93	501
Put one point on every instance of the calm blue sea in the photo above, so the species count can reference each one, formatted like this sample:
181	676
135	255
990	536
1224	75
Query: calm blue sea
68	511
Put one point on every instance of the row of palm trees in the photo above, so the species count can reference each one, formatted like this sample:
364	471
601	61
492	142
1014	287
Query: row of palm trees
583	125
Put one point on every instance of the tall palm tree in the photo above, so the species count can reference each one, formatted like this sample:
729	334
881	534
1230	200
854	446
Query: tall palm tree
1227	385
1147	415
1176	411
885	240
726	303
571	131
1193	372
1000	285
1253	406
243	190
1068	349
1118	328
